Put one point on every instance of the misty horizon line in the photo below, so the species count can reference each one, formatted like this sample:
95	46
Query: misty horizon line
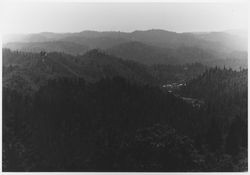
132	31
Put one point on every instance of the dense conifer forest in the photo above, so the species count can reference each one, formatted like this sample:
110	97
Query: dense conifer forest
117	123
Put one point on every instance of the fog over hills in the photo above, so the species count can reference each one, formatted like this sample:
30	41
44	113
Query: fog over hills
148	47
157	37
49	46
124	87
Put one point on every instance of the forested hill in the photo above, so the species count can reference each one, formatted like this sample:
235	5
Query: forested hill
225	93
224	90
26	71
217	81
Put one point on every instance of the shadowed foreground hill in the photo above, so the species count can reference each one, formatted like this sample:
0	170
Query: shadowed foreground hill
112	125
69	125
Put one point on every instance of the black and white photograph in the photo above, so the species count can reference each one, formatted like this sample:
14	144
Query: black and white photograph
124	87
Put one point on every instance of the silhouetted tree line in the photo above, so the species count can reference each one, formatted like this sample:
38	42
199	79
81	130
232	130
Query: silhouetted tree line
114	125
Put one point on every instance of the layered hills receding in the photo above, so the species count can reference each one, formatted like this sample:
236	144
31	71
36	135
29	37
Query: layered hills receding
146	101
140	56
147	47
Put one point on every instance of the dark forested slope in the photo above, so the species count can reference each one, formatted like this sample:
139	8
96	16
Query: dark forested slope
69	125
97	112
225	94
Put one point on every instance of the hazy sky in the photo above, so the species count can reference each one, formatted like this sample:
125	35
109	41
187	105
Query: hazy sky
75	17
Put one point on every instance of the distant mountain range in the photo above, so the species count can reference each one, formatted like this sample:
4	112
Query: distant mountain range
151	57
147	47
160	38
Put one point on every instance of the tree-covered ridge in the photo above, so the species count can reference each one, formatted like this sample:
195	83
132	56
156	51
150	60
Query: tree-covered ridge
26	72
225	94
217	79
34	69
224	90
